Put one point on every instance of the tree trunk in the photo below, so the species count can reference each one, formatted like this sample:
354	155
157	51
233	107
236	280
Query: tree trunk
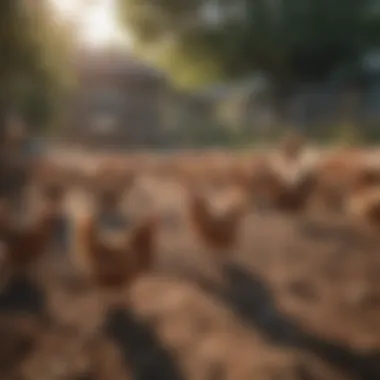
13	165
3	158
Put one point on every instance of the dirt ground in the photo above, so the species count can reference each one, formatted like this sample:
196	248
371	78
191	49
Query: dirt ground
299	299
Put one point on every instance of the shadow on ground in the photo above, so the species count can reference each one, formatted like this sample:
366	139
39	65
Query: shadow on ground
252	301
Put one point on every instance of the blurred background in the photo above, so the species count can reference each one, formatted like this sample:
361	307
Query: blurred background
189	255
165	74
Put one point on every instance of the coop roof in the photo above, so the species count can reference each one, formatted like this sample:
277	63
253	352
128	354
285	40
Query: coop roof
115	61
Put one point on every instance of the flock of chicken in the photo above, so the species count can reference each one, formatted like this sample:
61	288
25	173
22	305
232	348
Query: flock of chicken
292	180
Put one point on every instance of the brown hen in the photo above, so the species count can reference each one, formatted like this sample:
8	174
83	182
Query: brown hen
216	232
115	265
269	189
25	244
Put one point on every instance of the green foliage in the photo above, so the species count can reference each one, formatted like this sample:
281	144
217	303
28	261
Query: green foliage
347	134
34	66
290	40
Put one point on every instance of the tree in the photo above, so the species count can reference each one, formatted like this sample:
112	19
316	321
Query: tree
289	40
34	73
33	60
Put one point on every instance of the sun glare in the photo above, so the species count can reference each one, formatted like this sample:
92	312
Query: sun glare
95	21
